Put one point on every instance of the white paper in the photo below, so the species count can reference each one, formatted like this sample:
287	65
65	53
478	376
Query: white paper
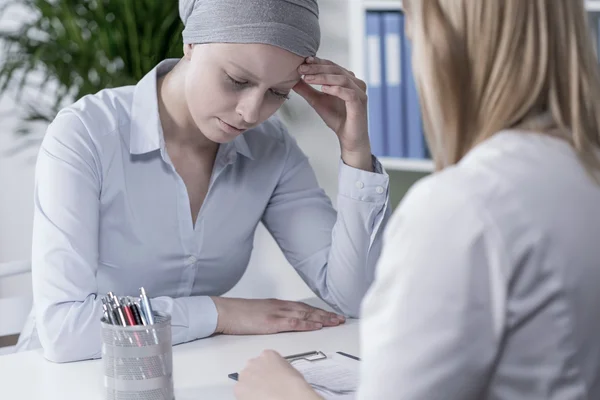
332	378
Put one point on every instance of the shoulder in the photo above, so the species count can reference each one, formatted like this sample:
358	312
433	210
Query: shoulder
492	193
96	115
92	122
439	195
453	204
496	174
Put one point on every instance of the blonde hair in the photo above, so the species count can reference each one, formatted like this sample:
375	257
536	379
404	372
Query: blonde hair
483	66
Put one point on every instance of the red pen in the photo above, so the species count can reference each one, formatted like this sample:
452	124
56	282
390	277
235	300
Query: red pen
128	313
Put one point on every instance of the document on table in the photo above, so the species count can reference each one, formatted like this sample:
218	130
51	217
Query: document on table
335	377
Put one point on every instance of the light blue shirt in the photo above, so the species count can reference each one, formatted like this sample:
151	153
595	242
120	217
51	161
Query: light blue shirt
112	214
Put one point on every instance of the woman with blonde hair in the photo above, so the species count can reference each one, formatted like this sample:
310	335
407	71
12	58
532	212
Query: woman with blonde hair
489	282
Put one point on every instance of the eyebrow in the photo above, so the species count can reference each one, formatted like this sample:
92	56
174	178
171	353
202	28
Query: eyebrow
255	77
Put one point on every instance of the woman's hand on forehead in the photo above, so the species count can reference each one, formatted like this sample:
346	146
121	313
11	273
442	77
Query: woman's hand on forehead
342	104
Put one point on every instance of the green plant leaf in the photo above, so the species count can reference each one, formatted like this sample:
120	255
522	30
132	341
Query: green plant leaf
79	47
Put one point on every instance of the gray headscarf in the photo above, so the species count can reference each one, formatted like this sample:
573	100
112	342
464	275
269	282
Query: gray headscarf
289	24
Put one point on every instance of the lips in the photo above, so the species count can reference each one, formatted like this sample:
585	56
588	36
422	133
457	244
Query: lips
230	128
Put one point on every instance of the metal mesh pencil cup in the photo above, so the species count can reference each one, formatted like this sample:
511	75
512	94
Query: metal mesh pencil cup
138	360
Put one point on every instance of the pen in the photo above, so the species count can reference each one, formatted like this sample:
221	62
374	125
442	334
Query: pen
109	315
136	313
119	312
146	307
105	310
128	313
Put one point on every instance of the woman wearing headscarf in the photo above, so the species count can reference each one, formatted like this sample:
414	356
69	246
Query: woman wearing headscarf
161	185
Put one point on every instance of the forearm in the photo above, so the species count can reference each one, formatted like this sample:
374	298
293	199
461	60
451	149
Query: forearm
351	263
363	211
71	331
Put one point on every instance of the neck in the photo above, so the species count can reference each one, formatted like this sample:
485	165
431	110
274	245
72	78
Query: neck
176	121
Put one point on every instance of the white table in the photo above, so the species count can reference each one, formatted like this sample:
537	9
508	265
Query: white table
200	368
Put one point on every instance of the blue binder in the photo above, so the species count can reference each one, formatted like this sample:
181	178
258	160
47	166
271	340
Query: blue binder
375	88
393	29
413	123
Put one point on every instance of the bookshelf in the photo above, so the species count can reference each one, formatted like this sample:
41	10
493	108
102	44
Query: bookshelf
357	29
406	164
592	5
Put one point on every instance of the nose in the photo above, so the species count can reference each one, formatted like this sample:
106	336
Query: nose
249	107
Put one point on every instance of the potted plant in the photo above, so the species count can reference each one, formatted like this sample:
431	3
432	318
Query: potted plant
70	48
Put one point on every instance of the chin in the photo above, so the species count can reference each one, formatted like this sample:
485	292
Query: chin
218	137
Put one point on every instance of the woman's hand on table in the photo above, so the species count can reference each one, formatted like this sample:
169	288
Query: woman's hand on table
258	316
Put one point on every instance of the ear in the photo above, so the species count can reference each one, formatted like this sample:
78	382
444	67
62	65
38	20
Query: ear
188	49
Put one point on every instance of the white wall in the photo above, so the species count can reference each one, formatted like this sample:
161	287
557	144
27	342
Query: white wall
16	183
16	199
269	274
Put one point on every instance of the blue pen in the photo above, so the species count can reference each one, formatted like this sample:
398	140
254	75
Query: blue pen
146	307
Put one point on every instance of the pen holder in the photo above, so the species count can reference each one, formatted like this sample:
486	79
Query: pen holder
138	360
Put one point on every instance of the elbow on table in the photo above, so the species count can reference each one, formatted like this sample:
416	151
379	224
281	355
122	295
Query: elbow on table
348	307
64	348
62	344
56	353
350	311
346	298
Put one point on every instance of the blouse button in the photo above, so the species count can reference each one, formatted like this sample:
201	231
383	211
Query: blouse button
191	260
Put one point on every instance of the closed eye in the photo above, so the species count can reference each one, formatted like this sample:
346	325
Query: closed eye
235	82
284	96
243	84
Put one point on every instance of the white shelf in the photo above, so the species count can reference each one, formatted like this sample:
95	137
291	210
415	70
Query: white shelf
406	164
382	4
590	5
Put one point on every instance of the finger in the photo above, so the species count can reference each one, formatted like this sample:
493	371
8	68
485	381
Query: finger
298	305
317	60
270	355
246	371
310	94
314	69
306	310
296	324
240	391
323	317
333	80
351	96
253	367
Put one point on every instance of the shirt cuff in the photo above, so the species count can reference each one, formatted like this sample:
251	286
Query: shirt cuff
363	185
204	323
198	312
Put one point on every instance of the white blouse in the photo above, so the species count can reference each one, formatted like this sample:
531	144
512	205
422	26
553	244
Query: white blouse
488	286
